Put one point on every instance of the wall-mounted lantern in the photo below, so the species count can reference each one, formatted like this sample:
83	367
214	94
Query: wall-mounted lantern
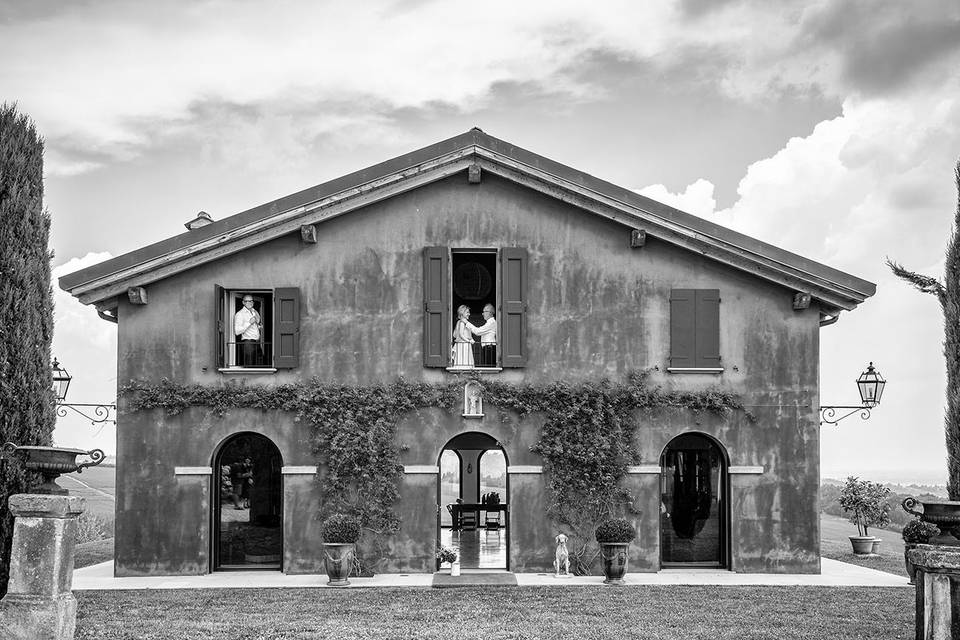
870	384
61	382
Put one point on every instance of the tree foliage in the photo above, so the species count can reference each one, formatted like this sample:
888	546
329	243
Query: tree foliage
26	399
865	503
947	292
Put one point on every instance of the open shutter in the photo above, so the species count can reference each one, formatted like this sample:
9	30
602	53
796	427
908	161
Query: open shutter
286	328
512	323
437	330
708	328
682	328
219	329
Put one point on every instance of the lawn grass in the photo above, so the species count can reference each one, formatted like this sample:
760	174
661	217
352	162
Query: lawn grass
886	560
93	552
583	613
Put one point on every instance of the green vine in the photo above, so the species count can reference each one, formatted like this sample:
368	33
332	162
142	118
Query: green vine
586	440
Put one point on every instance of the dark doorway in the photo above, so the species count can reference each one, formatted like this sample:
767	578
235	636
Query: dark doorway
247	504
693	511
473	496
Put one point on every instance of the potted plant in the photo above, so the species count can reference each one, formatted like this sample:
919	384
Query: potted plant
615	537
865	502
446	554
916	532
340	533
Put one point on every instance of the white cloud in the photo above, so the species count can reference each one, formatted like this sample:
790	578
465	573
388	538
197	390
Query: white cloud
697	198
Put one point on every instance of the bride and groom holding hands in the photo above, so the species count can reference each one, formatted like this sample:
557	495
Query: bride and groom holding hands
462	352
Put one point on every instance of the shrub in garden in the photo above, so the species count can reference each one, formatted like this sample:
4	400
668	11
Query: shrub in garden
616	530
340	528
919	532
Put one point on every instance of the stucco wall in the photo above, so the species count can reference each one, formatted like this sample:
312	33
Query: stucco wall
597	308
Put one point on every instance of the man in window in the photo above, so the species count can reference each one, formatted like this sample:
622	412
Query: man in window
488	337
248	328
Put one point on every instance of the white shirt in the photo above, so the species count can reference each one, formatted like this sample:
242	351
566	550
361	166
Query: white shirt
487	332
241	322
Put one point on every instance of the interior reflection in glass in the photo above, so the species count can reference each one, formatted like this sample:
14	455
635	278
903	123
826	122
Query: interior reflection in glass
692	522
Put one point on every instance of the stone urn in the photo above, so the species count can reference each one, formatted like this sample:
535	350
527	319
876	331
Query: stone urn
943	513
338	561
614	556
51	462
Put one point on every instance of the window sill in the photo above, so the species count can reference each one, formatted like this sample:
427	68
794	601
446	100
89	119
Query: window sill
249	371
694	369
475	369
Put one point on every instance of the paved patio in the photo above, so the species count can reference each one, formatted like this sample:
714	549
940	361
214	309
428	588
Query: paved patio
833	574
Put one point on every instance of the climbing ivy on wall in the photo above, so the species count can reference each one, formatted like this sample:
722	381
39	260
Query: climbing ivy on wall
586	439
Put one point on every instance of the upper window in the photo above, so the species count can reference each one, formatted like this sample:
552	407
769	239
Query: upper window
474	308
257	328
695	330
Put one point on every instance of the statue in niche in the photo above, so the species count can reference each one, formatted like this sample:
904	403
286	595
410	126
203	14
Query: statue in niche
472	400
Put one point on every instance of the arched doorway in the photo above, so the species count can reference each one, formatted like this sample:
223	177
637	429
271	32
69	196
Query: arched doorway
246	501
473	494
693	509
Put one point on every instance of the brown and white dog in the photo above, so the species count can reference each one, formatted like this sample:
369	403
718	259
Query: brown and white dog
563	556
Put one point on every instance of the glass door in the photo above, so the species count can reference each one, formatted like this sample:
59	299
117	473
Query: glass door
693	503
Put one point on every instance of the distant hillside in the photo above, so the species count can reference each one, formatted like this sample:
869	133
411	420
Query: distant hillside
830	492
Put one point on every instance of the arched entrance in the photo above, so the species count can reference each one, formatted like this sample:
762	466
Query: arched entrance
693	510
473	494
246	501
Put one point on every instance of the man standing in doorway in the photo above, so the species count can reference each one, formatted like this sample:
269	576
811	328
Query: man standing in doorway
488	337
247	326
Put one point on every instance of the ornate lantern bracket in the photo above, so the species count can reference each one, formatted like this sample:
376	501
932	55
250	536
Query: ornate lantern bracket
871	385
61	383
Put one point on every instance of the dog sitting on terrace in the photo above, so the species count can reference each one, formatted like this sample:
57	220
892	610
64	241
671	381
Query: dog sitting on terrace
563	556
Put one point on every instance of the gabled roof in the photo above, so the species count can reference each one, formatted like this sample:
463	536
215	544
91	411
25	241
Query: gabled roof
100	283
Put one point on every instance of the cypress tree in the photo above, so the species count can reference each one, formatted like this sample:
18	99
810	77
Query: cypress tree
26	310
947	292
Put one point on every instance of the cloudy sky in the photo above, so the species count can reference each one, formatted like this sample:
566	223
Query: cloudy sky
828	128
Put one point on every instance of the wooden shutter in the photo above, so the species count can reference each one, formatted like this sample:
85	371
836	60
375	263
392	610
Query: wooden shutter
219	329
682	328
512	323
708	328
286	328
437	330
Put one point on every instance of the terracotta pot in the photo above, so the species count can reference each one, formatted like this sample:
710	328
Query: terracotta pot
338	561
876	546
614	556
862	545
943	513
455	568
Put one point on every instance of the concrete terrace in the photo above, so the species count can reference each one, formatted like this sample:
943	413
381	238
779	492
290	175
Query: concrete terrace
833	574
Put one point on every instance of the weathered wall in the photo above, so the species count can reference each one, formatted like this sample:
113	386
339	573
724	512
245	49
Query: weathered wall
597	308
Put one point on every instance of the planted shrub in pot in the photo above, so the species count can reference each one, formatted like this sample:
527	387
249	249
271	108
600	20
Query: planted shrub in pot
446	554
615	537
340	533
916	532
865	504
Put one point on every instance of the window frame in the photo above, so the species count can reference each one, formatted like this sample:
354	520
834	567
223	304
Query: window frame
272	299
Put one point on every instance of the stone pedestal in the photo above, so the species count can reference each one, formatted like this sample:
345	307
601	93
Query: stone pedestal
938	591
39	603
